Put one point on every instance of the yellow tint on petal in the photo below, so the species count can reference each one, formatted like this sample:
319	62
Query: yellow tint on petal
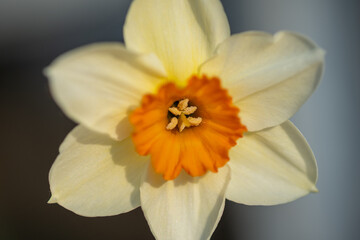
182	33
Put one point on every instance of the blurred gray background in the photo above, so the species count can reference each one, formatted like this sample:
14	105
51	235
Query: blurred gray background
34	32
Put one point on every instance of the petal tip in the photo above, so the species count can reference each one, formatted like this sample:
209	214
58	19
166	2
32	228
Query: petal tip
52	200
314	189
46	71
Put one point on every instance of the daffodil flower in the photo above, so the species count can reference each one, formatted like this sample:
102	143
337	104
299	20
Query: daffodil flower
183	117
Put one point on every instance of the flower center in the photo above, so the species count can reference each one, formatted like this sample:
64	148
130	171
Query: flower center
181	116
190	128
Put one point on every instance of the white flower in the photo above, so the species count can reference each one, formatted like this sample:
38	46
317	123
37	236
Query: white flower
173	95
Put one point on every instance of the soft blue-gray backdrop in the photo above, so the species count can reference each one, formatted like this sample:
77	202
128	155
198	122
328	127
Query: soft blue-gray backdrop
329	120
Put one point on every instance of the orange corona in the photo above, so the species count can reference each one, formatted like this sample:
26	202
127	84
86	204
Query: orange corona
190	128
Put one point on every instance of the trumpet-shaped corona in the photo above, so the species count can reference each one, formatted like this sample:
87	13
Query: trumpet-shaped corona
189	128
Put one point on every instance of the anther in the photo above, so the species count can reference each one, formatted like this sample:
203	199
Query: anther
189	110
183	104
175	111
194	121
172	124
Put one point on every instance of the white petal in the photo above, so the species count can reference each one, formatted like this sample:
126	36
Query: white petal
269	77
97	85
182	33
96	176
271	167
185	208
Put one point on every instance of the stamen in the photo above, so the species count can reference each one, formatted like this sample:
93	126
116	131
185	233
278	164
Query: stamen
183	104
180	119
194	121
175	111
172	124
189	110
